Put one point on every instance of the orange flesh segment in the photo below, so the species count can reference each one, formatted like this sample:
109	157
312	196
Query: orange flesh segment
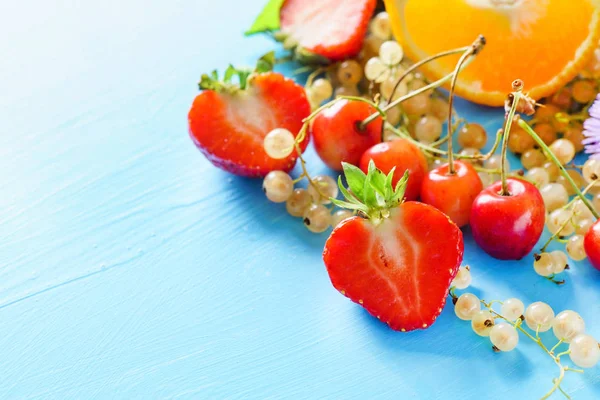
543	42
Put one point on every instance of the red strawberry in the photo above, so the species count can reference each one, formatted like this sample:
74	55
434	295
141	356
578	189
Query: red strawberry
399	262
229	123
332	29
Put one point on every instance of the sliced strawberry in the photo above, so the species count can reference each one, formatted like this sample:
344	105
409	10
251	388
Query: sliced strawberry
332	29
229	126
398	262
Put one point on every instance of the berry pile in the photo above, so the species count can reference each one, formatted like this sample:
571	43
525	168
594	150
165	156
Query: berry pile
373	116
502	326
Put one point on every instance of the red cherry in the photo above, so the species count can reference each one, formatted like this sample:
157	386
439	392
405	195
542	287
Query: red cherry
591	244
507	227
337	134
403	155
453	194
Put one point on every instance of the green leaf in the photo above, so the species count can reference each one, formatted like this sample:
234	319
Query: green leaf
266	63
243	75
208	83
389	188
350	206
369	193
215	75
355	178
400	189
268	19
347	195
229	73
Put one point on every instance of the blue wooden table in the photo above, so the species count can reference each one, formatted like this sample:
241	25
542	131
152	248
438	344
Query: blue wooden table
131	268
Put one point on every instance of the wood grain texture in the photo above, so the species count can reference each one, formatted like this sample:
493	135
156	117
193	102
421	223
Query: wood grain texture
131	268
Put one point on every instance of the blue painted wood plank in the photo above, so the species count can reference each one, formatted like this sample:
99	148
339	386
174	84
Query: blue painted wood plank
131	268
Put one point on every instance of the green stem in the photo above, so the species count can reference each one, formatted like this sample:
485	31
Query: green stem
423	62
562	169
507	127
457	69
538	341
412	94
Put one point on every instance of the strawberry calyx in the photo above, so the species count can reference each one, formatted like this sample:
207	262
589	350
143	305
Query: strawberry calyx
372	194
243	74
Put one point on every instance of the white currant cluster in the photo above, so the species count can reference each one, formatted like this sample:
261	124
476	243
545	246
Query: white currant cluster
503	326
310	203
568	221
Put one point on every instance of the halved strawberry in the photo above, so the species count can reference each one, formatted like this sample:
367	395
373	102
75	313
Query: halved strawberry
228	123
399	261
333	29
317	30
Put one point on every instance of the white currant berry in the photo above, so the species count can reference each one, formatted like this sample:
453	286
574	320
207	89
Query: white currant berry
591	170
349	73
575	248
462	280
279	143
387	88
467	306
554	195
543	264
428	129
512	309
380	26
376	70
581	210
482	322
317	218
567	325
495	162
560	261
564	150
504	336
559	221
539	316
391	53
321	89
278	186
486	179
583	225
339	216
538	176
298	202
585	352
327	187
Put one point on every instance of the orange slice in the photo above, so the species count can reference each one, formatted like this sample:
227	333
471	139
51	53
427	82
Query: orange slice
543	42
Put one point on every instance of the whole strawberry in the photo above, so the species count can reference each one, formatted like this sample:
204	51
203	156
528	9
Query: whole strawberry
228	121
397	259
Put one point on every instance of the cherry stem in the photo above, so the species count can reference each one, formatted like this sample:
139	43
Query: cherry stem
457	69
423	62
473	49
562	169
507	126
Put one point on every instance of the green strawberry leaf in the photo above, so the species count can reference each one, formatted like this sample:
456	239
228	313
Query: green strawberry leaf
371	194
266	63
355	178
229	73
268	19
389	188
350	206
400	189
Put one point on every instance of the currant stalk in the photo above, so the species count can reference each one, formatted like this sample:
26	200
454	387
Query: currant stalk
561	168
